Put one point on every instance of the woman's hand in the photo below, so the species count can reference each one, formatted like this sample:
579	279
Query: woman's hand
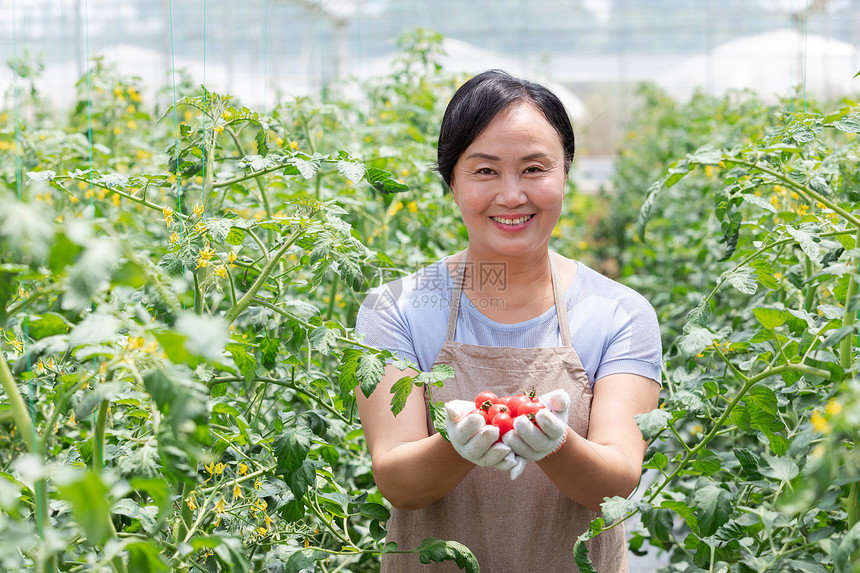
412	468
534	440
477	441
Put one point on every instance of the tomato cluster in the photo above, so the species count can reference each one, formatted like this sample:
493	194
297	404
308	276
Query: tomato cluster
500	412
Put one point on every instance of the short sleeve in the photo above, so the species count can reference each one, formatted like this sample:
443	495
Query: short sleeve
635	345
383	324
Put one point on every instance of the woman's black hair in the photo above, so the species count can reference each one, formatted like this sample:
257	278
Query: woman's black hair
479	100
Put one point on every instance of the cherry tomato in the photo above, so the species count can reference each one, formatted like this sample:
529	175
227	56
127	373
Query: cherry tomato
503	422
485	399
530	409
483	413
504	400
518	402
496	409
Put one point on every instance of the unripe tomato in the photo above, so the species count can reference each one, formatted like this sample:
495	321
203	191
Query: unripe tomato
517	402
503	422
485	399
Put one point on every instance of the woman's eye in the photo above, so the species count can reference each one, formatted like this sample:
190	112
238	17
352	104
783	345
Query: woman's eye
484	171
534	169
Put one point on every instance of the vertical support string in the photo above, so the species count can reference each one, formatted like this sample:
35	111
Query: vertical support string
175	117
89	105
266	57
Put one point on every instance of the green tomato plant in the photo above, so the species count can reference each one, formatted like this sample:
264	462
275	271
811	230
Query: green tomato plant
175	294
754	442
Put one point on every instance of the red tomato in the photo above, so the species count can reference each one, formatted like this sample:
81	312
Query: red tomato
503	422
485	399
504	400
496	409
483	413
530	409
518	402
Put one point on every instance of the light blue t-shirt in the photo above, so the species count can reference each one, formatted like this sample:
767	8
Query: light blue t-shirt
613	328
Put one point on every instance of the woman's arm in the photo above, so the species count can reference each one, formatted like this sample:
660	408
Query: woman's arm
412	469
608	462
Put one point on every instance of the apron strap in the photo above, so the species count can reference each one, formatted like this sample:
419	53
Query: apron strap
560	304
454	310
558	296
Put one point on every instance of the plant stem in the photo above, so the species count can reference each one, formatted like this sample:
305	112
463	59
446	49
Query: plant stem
749	383
802	189
846	350
249	296
306	324
18	407
99	438
28	431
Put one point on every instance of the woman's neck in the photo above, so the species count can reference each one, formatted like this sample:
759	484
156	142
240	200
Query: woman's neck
510	290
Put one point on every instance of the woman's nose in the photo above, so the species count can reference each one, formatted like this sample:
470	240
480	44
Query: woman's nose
511	192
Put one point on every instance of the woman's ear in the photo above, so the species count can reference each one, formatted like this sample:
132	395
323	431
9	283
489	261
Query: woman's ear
454	194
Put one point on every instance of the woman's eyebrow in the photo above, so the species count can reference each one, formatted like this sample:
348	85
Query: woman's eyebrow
483	156
529	157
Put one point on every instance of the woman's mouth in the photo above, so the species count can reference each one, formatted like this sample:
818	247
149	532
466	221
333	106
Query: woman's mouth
511	221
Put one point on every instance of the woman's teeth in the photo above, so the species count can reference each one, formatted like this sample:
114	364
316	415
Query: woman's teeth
517	221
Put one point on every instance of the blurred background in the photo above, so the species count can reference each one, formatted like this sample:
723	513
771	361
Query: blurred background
594	53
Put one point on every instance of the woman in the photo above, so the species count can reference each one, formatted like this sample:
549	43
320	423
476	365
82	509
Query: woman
509	314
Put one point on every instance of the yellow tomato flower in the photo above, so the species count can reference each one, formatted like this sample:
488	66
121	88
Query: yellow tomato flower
219	507
833	407
174	237
231	258
237	492
197	209
819	422
130	108
221	272
202	263
168	214
200	227
243	468
131	125
412	207
219	129
294	145
279	141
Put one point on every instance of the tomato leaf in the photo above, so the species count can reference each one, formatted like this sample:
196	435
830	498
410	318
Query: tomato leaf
352	170
374	511
324	339
292	447
848	547
384	182
88	498
303	560
749	462
652	422
770	317
145	557
742	278
400	390
707	462
713	508
433	550
369	371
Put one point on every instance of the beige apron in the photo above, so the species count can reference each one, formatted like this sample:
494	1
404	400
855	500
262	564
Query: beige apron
509	525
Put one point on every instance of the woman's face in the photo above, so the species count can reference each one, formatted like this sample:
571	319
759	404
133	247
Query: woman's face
509	184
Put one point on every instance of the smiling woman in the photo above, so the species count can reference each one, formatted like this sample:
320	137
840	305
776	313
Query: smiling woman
587	346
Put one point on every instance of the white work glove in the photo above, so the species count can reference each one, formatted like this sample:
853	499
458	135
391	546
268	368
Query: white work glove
477	441
534	442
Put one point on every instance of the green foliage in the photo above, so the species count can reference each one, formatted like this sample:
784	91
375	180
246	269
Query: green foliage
175	295
746	245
